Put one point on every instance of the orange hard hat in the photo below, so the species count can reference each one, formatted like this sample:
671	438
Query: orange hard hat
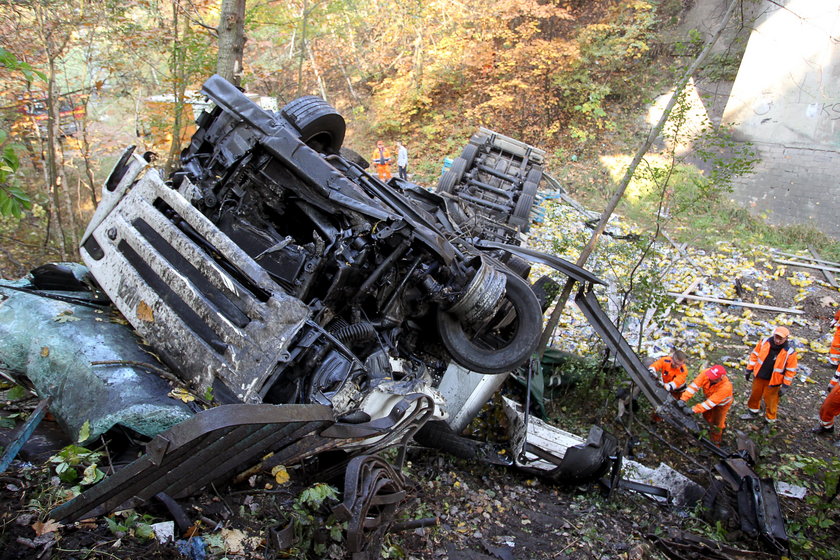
781	331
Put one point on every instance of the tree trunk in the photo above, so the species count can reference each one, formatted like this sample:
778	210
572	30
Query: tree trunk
304	14
321	86
52	165
231	32
71	229
179	86
86	151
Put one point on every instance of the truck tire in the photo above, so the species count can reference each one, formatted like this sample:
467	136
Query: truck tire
469	154
452	177
534	175
486	355
459	167
320	126
446	183
521	217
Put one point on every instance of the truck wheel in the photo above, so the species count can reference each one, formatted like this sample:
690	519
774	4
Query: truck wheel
521	217
446	183
468	155
497	350
320	126
459	166
452	177
534	175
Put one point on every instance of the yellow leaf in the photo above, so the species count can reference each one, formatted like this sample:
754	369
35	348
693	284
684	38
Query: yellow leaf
45	351
280	474
181	394
144	312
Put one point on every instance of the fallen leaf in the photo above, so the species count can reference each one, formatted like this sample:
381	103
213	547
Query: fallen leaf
281	475
827	301
144	312
192	530
45	351
181	394
234	539
44	528
65	317
84	432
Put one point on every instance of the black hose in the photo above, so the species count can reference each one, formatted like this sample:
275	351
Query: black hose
356	333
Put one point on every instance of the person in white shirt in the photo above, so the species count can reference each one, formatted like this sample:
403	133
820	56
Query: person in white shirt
402	161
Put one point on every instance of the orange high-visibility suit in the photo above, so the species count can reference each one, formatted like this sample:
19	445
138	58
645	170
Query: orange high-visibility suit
834	351
672	377
784	370
717	404
382	161
830	408
835	381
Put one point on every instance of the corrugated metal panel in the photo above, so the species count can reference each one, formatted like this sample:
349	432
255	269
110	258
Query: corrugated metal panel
209	447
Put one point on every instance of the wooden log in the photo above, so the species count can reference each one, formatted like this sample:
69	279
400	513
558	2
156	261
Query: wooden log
691	288
681	251
828	275
815	258
806	265
738	303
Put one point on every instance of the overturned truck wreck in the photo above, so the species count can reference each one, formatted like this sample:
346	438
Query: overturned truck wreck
322	309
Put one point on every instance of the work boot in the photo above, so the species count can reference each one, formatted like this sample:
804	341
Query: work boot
749	415
822	430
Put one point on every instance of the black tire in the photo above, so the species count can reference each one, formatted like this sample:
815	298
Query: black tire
438	435
459	167
545	289
497	356
521	217
519	266
534	175
320	126
529	188
452	177
446	183
469	154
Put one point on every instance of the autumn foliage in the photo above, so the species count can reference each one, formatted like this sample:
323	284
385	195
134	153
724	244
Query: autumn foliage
429	72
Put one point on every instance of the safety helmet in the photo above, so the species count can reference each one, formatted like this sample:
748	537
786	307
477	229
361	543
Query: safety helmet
781	331
715	372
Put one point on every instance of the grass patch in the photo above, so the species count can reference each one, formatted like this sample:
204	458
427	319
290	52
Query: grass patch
724	220
700	217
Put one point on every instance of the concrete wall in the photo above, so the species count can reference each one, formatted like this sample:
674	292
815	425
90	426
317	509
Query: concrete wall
786	100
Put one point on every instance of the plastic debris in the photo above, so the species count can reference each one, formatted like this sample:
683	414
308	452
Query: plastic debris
700	328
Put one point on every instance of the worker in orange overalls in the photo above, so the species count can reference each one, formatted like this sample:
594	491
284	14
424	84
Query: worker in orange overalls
828	412
671	372
717	388
382	161
773	362
834	351
835	381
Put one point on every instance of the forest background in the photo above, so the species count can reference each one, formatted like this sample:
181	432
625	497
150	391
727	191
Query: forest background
573	77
